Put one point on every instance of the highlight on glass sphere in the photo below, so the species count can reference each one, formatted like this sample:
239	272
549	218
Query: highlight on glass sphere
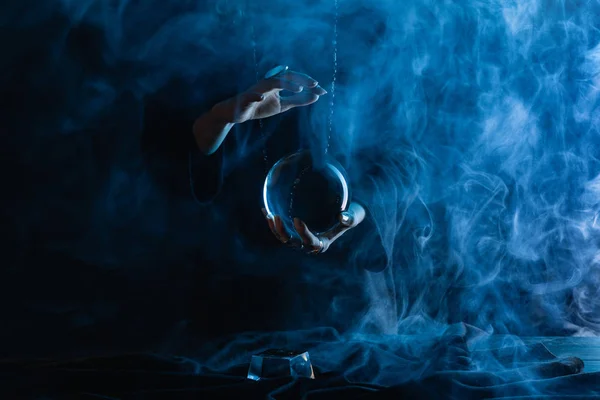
313	189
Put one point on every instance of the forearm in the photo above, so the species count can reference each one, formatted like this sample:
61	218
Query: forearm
210	132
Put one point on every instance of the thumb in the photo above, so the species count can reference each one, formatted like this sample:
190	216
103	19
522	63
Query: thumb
346	219
345	222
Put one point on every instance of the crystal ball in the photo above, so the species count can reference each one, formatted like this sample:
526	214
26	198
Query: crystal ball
312	188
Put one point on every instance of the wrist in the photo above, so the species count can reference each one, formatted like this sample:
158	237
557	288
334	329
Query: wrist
210	131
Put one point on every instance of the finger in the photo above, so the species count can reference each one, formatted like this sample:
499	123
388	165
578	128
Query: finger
266	214
272	226
318	90
335	231
270	222
308	238
283	234
278	83
299	78
298	100
346	221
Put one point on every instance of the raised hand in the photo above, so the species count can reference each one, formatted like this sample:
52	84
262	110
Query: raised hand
263	100
309	242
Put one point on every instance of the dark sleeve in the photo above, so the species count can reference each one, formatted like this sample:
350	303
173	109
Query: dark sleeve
205	173
173	157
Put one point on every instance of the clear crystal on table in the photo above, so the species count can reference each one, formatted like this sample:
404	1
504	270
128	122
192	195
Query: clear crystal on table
277	363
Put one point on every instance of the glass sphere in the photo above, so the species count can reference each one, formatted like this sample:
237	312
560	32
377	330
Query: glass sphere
314	189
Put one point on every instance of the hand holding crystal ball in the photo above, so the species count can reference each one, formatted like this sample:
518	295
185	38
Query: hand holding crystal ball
303	191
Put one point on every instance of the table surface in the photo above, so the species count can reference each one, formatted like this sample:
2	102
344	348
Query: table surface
586	348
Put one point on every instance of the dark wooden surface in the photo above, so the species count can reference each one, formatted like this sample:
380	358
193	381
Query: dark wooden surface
586	348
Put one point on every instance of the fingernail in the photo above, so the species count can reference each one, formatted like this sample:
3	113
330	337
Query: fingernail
346	218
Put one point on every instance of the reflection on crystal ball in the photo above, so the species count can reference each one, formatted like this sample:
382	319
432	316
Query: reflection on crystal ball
314	189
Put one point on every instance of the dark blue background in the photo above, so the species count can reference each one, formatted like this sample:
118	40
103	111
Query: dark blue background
470	129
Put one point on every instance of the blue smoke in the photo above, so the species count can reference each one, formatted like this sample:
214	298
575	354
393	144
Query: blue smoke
481	119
